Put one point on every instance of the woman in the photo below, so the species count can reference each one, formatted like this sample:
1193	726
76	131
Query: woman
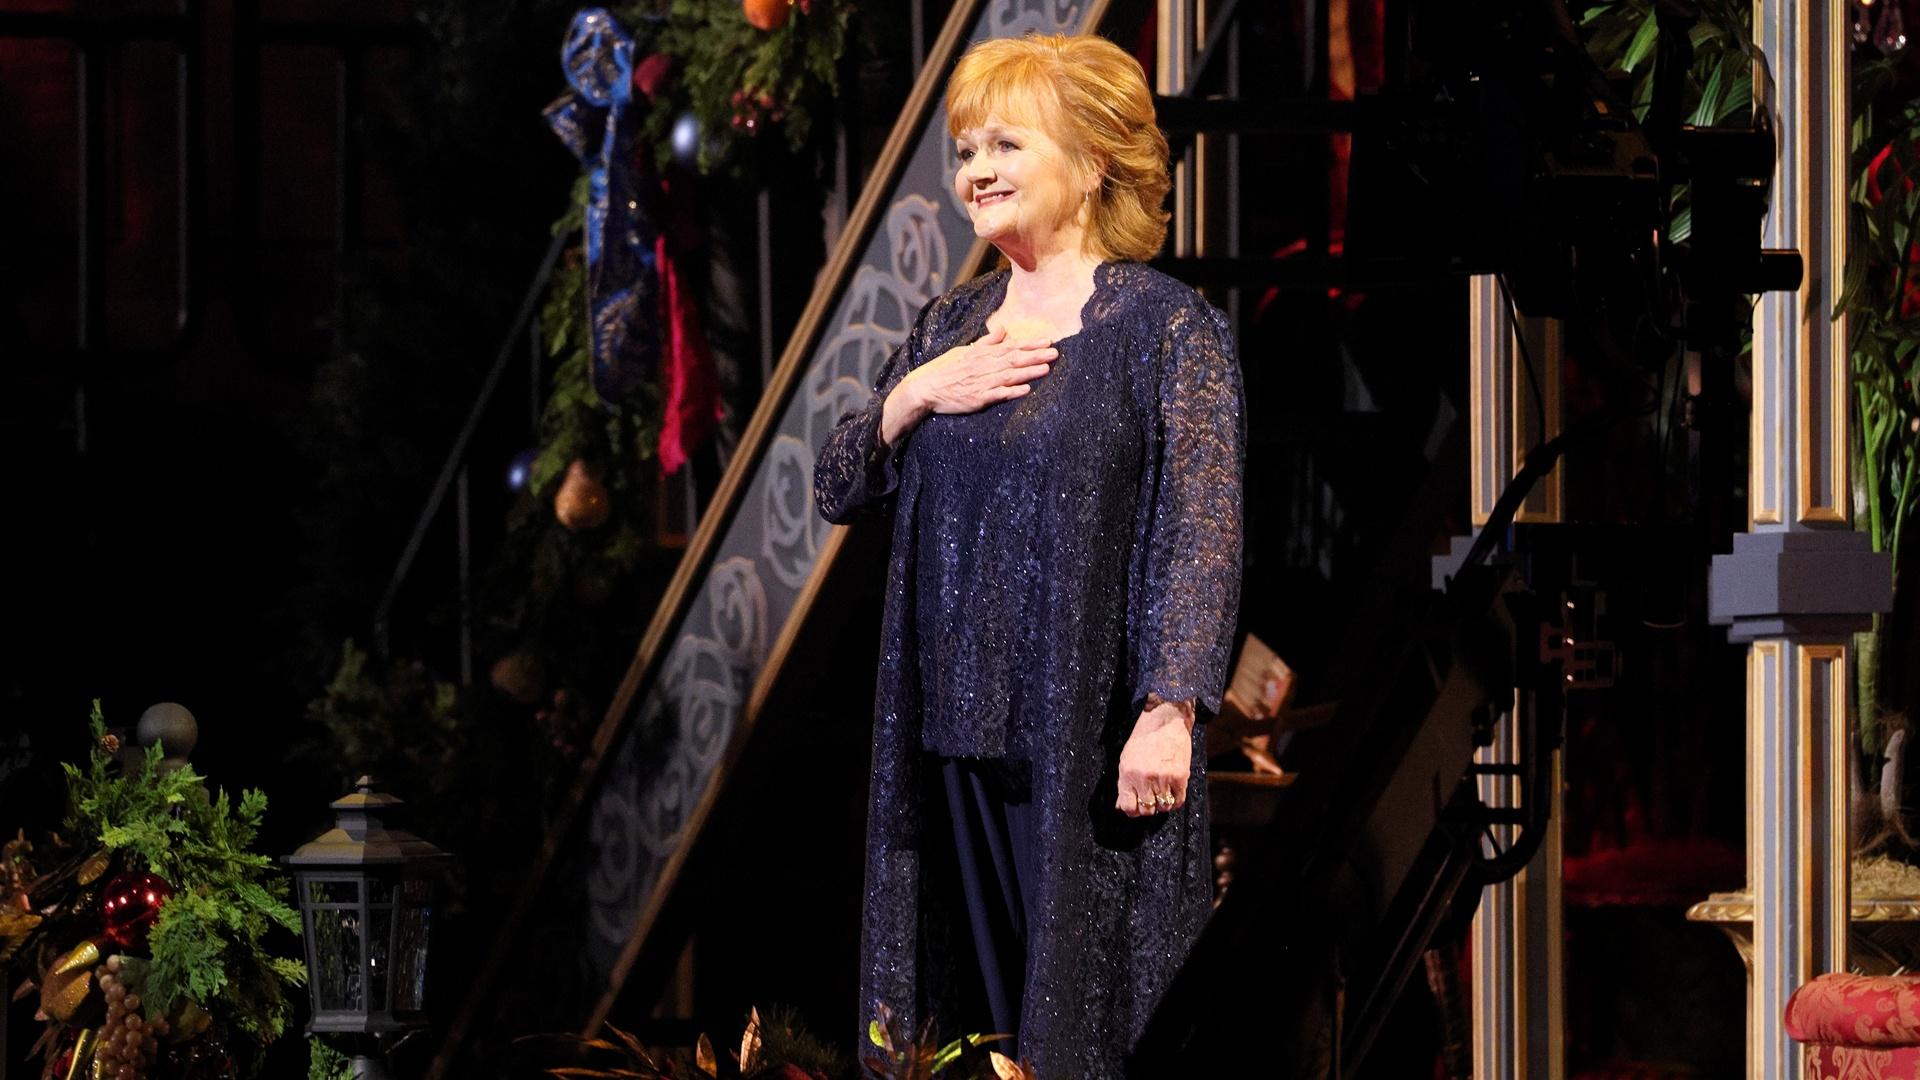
1059	444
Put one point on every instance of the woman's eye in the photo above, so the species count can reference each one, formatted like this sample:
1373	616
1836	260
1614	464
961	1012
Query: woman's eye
1005	145
964	155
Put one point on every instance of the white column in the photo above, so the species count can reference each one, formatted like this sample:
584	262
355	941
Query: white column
1519	990
1800	581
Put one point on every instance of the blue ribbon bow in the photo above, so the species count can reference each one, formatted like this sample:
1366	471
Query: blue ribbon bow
622	288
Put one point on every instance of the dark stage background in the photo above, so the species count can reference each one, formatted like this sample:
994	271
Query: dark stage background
214	460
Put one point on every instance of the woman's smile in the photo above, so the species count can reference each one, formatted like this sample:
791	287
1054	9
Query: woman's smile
997	161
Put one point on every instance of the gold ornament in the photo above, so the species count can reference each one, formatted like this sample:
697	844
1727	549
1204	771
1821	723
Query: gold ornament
767	14
96	865
15	926
581	502
81	956
68	985
82	1065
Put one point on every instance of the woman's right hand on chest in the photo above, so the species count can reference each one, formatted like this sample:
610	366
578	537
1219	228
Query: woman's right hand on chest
965	379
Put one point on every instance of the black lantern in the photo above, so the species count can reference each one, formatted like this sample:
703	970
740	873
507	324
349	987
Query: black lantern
366	897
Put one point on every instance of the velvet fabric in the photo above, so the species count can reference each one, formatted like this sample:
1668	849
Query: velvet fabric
1056	558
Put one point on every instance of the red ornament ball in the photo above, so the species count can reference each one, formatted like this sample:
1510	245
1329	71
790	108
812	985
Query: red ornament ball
130	904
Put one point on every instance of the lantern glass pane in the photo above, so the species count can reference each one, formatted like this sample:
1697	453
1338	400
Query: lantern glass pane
336	949
380	890
415	918
333	891
379	957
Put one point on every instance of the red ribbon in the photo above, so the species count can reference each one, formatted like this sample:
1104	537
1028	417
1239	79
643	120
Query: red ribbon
687	374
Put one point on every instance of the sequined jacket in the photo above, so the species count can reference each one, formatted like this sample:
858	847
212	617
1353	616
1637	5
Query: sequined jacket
1055	559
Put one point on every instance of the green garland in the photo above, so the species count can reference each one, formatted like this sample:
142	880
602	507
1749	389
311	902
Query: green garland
544	574
738	81
209	942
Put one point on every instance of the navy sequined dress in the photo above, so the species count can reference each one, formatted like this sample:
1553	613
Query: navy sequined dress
1055	559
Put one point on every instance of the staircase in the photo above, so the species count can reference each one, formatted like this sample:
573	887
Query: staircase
754	568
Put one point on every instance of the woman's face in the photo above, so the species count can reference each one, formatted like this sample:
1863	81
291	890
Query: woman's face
1019	187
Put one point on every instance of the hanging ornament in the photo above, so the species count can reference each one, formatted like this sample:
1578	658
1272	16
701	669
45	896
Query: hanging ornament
520	469
581	502
130	905
68	993
517	675
685	139
767	14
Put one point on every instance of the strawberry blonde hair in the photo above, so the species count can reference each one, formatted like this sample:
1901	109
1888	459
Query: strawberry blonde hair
1091	97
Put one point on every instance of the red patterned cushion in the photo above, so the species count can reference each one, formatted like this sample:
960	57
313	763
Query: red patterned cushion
1857	1011
1862	1063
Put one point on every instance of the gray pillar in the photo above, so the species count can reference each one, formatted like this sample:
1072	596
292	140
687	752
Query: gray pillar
1800	581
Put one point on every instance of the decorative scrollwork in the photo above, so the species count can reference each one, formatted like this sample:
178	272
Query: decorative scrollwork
738	612
1009	18
613	837
917	248
641	815
790	539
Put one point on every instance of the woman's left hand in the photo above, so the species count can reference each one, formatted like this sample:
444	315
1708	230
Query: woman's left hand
1157	759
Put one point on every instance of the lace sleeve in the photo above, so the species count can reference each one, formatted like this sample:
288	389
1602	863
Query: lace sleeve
854	475
1187	592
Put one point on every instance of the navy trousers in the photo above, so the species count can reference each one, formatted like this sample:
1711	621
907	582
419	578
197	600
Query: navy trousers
990	803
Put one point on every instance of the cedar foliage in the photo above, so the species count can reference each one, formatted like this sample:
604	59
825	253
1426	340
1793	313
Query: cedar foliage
210	940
